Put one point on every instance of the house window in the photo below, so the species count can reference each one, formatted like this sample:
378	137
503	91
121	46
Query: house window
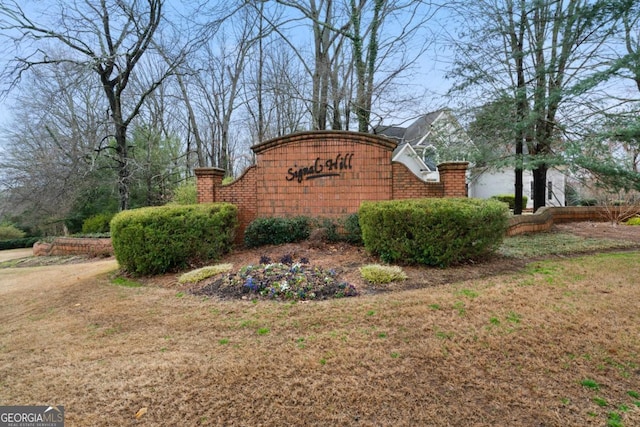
549	190
532	190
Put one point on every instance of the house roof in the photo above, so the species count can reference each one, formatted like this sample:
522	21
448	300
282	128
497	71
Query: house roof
393	132
431	141
421	127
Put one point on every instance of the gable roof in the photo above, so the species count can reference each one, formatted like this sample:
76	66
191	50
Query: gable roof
421	128
414	133
393	132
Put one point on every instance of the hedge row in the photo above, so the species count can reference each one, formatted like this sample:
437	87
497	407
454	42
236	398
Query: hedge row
510	199
436	232
159	239
25	242
277	231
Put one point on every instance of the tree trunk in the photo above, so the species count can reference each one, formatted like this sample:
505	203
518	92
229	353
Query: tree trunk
539	187
124	169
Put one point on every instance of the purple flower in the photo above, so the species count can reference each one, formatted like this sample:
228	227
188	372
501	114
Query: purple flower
251	284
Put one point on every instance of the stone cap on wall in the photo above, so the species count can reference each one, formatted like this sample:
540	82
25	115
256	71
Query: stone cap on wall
209	171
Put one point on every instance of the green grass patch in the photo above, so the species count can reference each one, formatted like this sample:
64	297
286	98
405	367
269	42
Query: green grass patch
127	283
589	383
600	402
514	317
544	244
614	420
469	293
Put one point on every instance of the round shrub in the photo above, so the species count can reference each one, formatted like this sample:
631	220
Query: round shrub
10	232
437	232
158	239
97	223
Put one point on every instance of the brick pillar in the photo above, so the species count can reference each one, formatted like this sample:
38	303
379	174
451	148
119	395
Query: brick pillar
453	176
207	179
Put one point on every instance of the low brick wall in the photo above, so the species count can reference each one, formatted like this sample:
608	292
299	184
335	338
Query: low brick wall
545	217
74	246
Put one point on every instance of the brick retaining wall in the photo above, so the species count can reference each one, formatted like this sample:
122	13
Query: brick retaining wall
545	217
74	246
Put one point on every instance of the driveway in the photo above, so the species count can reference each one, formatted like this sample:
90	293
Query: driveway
10	254
47	277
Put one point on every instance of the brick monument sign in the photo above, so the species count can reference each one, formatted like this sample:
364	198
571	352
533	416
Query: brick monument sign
323	174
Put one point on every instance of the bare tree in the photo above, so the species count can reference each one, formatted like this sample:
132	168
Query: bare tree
278	101
108	38
211	85
49	156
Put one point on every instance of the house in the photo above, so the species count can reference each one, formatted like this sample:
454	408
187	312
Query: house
438	136
484	183
432	138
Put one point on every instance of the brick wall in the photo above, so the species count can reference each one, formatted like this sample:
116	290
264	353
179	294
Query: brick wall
453	178
545	217
408	186
322	174
207	180
74	246
242	193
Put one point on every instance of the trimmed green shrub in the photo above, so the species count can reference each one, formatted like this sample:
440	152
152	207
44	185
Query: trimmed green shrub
346	229
98	223
276	231
159	239
10	232
25	242
353	233
510	199
438	232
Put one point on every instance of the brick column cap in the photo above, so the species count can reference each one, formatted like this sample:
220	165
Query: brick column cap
209	171
453	165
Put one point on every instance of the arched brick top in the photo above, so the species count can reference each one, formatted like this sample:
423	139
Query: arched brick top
325	174
324	136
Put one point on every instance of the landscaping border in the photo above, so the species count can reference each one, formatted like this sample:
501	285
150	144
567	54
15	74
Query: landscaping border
62	246
545	217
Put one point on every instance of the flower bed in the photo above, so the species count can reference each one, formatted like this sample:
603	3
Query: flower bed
283	280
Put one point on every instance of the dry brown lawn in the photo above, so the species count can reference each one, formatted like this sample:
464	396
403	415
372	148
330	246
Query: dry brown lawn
556	344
